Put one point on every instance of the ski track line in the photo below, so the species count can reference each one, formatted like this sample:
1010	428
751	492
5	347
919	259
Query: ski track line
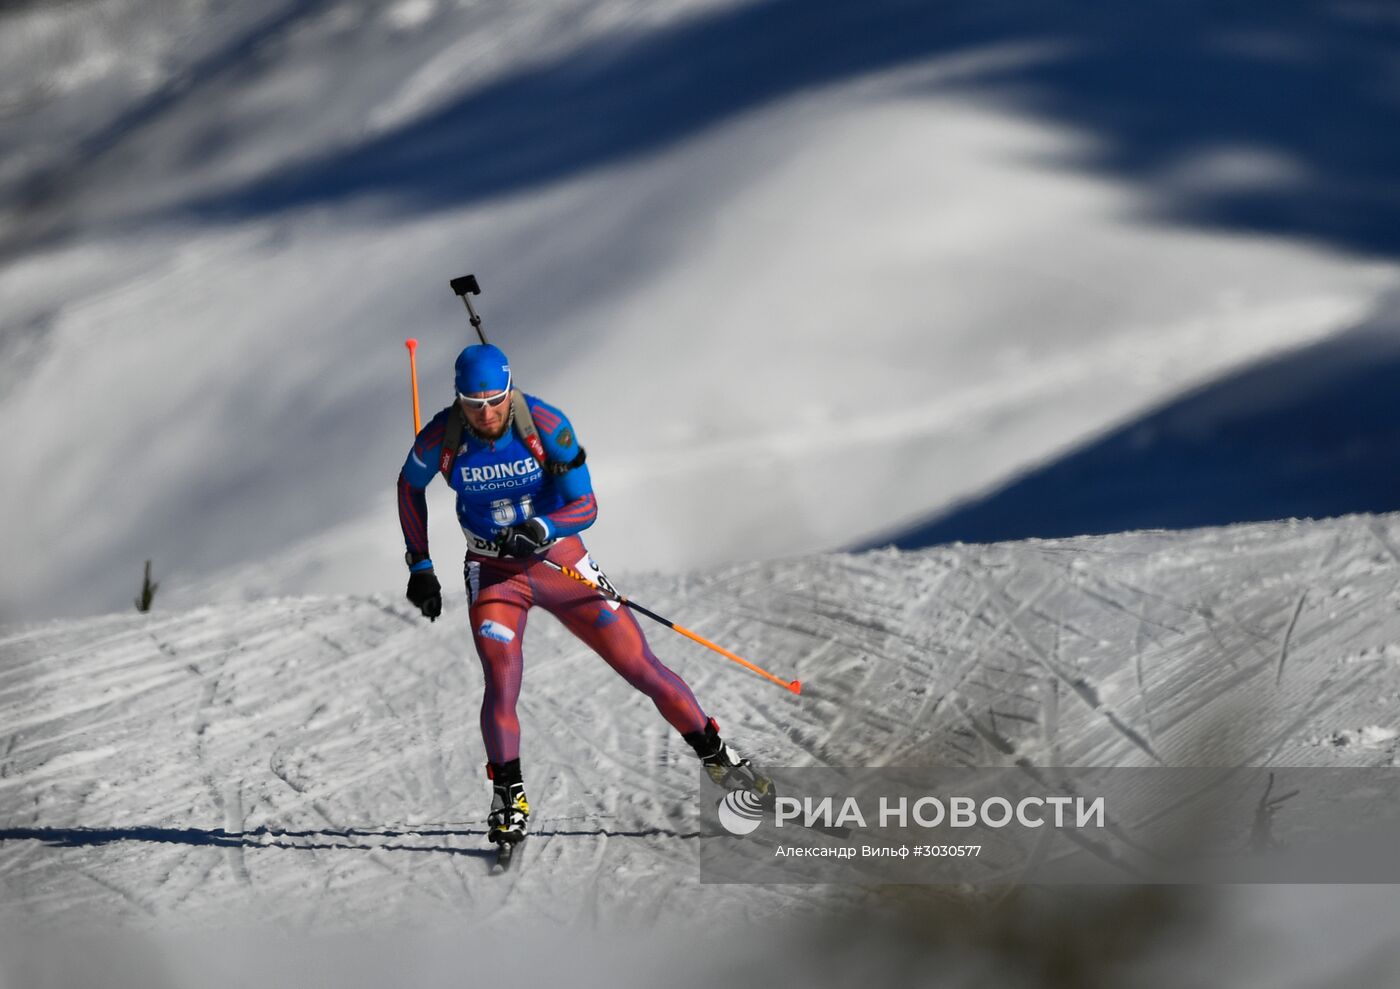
1197	609
1333	549
1074	585
1079	687
1378	531
999	743
234	823
1355	607
40	746
1316	705
430	718
855	689
56	652
949	691
1302	694
337	735
1058	621
1050	717
455	862
1288	636
201	882
156	686
587	740
140	903
383	699
1109	601
793	732
1196	674
1144	695
588	910
1211	691
1256	640
319	902
1283	735
112	698
1188	611
793	624
1091	695
1226	651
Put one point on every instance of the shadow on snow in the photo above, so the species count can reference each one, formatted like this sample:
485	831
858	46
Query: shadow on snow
1269	116
1314	433
314	840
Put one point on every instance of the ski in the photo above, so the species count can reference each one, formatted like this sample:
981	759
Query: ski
506	854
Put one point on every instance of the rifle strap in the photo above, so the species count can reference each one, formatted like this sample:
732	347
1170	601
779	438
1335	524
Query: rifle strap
525	427
452	440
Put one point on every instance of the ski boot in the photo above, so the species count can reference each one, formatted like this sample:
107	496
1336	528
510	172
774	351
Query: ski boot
726	767
510	811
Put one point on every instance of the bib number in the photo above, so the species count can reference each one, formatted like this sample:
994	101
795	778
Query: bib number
505	511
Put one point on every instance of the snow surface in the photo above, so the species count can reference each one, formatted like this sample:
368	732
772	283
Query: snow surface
807	275
313	764
802	274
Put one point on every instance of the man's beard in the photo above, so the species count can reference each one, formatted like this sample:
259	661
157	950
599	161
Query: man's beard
488	437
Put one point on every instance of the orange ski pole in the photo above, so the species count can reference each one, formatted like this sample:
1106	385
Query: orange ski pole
412	346
794	685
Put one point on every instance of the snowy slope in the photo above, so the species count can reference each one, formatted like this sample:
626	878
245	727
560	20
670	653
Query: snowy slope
802	273
805	273
314	763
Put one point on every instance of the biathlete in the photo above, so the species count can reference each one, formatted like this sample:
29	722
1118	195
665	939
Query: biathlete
517	512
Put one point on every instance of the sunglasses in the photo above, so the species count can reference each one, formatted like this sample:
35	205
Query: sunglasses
489	402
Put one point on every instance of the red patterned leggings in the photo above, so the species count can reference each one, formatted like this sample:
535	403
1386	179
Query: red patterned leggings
502	592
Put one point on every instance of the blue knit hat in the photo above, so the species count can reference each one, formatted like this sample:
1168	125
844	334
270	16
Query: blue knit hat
482	368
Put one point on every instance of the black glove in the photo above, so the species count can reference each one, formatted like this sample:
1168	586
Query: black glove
426	593
525	539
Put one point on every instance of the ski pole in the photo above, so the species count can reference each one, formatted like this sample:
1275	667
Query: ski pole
467	286
412	346
794	685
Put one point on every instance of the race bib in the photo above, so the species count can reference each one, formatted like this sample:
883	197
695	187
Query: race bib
473	581
589	569
476	544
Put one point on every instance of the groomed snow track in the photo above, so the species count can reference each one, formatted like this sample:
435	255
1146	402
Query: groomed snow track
316	761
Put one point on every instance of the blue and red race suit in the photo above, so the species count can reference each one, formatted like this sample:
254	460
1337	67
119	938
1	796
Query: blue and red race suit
500	484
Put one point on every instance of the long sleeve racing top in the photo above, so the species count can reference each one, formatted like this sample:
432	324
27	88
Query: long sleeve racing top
498	482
